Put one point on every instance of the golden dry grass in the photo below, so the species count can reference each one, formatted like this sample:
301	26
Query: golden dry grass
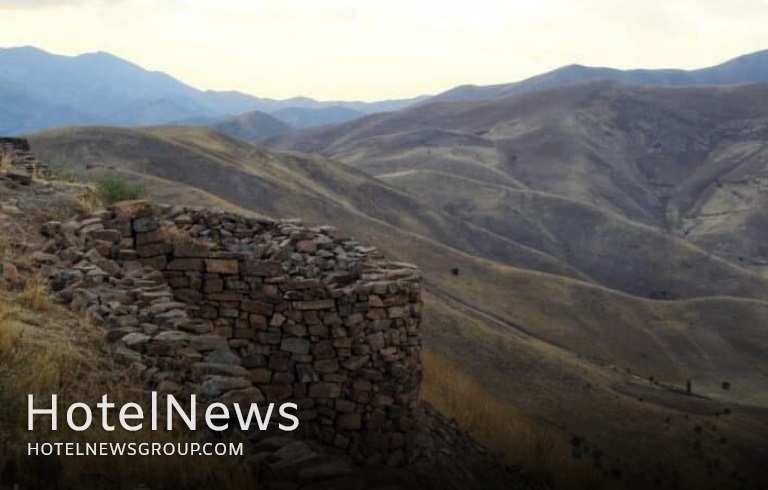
668	340
89	199
46	349
5	162
35	295
500	427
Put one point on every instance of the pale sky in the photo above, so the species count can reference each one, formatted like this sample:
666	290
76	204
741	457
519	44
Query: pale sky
379	49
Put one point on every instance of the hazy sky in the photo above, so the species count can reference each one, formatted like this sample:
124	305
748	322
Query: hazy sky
376	49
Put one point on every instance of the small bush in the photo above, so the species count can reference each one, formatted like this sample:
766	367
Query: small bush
115	188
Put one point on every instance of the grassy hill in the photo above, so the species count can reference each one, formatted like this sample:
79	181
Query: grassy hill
251	126
519	306
689	161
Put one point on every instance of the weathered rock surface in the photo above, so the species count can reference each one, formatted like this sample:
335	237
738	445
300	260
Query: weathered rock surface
176	324
212	303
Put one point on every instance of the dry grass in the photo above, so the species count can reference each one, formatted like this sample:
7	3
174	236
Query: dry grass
5	162
88	199
500	427
35	295
46	349
176	235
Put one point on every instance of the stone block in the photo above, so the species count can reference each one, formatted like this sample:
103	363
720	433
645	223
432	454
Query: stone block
191	296
280	361
145	225
349	421
318	304
111	236
283	378
154	250
277	321
327	366
221	266
254	361
129	210
305	373
185	265
209	342
376	341
271	338
258	322
324	390
323	350
154	236
190	248
212	285
262	268
260	375
296	345
243	333
200	369
277	392
345	406
259	307
295	330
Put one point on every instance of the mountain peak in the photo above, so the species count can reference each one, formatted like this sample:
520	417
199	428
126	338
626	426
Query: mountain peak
746	69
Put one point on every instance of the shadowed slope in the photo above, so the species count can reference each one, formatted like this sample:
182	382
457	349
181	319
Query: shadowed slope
689	161
570	352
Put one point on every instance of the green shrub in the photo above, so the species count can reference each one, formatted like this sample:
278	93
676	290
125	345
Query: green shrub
115	188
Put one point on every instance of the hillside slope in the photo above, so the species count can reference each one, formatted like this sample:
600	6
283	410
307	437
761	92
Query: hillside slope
568	351
691	162
251	127
301	117
278	184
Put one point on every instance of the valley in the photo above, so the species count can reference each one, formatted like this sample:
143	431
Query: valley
582	279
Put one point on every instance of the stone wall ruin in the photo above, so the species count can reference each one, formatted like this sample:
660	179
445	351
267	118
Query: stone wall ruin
250	310
18	155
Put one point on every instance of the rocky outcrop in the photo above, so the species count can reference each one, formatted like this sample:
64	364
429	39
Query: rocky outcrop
18	155
247	310
99	276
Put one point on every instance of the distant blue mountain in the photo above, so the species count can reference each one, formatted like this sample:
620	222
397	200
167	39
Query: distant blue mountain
39	90
747	69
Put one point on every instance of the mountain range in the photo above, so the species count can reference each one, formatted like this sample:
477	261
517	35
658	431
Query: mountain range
590	247
39	90
746	69
586	250
656	169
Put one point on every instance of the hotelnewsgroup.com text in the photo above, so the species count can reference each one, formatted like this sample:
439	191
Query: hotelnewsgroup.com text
131	417
134	449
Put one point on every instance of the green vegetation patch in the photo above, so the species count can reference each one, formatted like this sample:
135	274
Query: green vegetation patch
115	188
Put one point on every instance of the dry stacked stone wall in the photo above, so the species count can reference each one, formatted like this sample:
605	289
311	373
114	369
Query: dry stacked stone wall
246	310
19	154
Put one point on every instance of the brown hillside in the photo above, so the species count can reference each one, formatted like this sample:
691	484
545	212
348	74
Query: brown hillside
687	160
554	343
